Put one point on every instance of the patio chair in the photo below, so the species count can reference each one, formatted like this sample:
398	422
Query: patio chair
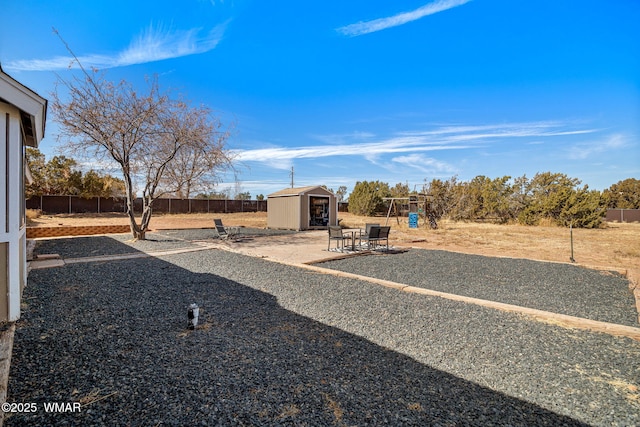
367	230
335	233
371	237
222	230
384	235
376	235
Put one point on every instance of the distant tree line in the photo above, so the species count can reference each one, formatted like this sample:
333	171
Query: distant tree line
226	195
62	176
547	197
550	197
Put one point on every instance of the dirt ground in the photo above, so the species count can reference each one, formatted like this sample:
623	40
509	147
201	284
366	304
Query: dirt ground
615	246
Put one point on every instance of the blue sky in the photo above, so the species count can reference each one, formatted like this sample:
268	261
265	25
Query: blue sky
345	91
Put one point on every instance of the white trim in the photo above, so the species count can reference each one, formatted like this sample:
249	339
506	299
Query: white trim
25	100
11	214
16	101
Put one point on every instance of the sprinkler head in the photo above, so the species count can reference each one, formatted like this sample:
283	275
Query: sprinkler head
192	315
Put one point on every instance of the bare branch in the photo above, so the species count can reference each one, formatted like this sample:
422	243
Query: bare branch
165	143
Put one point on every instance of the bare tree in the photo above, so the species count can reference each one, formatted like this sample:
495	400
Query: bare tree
145	133
195	167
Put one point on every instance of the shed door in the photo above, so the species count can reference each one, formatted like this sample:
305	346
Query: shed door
318	211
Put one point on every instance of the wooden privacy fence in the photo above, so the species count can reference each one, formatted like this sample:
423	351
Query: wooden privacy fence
77	204
623	215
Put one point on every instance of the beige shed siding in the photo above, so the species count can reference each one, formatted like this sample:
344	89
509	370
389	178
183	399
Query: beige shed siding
283	213
289	208
333	212
304	211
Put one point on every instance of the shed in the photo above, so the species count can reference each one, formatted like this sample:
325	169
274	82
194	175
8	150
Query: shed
22	122
304	208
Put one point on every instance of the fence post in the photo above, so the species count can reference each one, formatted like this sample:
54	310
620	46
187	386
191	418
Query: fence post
252	205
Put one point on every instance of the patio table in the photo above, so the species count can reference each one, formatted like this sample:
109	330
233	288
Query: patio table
353	232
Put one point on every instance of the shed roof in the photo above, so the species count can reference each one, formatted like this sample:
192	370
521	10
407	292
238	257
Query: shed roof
33	107
296	191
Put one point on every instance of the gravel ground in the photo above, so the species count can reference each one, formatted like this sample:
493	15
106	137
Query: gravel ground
278	345
118	244
208	234
555	287
114	244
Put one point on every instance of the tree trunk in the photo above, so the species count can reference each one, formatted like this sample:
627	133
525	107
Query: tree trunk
137	231
146	218
139	234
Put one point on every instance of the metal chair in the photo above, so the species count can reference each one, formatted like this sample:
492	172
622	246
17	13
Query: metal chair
367	231
335	233
222	231
371	237
377	234
384	235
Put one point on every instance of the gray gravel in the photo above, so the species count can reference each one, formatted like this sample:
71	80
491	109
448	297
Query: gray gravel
555	287
277	345
211	234
118	244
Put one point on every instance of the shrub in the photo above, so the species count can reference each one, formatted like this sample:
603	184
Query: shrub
366	198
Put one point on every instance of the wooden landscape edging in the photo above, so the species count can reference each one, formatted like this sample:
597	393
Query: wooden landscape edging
81	230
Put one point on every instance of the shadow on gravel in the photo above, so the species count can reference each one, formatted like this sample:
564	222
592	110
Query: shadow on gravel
112	336
116	244
84	246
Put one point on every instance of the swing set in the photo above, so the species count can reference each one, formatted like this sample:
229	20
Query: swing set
418	206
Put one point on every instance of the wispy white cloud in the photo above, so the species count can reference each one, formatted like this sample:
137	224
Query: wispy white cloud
585	150
510	130
399	145
412	143
424	164
367	27
345	138
153	44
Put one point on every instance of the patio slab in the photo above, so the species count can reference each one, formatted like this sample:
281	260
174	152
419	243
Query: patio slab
299	248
